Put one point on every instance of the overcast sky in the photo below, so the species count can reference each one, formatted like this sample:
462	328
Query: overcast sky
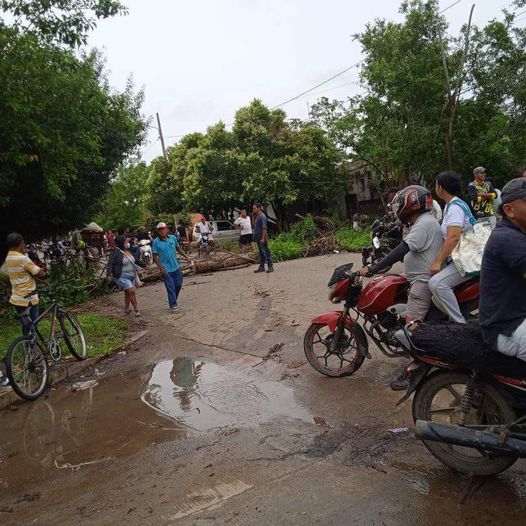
200	60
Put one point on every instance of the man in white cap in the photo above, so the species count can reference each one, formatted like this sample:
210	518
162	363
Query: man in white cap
502	307
164	249
481	194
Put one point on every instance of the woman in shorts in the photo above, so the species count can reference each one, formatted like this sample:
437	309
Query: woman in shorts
123	269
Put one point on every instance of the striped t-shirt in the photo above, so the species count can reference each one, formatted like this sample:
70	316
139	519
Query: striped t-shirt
21	270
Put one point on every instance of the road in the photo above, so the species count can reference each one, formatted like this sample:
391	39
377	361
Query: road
216	418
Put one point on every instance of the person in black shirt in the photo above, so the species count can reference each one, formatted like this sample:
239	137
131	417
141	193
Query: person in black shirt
502	308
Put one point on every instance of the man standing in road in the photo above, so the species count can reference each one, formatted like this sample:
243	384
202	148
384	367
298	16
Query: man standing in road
245	227
481	194
260	237
164	251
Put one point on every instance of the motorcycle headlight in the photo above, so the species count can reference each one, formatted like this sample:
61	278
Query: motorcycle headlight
376	242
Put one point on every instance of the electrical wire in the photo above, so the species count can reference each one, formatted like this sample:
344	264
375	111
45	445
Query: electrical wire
317	85
449	7
151	146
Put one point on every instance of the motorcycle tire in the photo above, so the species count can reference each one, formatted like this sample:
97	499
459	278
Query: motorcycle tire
462	459
354	360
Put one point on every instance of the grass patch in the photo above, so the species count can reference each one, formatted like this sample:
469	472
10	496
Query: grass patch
102	334
287	246
352	239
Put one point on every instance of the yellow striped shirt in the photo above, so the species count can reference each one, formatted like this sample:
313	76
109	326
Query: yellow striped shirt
21	270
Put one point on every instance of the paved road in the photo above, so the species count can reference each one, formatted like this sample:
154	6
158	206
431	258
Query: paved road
215	418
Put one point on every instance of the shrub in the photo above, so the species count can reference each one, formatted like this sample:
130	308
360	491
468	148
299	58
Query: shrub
304	230
351	239
286	246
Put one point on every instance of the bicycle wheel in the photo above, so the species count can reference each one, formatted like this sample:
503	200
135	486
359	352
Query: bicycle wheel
27	368
73	335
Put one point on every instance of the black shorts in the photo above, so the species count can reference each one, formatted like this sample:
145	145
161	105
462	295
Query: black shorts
245	239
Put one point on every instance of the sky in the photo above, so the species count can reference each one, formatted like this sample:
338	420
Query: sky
199	61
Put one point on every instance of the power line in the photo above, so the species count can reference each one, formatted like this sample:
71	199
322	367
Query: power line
317	85
449	7
151	146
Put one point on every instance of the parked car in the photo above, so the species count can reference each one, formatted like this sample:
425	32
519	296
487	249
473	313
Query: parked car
222	230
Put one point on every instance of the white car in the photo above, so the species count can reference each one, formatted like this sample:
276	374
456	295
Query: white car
222	230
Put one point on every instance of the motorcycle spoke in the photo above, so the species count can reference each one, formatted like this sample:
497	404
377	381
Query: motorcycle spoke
454	393
444	410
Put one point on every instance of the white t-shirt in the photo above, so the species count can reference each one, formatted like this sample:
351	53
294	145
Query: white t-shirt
246	225
454	215
203	228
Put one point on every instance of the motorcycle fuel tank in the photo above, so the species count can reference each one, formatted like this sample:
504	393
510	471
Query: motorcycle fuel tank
380	293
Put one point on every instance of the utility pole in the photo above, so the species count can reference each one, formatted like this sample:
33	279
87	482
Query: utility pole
161	136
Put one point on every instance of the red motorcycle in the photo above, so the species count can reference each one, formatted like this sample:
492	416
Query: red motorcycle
336	343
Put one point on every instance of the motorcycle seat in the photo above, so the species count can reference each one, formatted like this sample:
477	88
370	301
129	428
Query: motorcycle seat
463	346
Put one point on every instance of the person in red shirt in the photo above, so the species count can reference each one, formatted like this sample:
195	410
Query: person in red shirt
110	237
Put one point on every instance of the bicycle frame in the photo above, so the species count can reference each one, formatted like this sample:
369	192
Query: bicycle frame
35	333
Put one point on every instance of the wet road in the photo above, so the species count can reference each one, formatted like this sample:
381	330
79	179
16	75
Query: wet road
215	418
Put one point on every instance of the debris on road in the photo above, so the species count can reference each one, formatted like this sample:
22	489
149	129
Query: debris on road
82	386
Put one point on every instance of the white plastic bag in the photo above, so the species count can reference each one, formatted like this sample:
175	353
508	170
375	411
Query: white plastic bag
467	255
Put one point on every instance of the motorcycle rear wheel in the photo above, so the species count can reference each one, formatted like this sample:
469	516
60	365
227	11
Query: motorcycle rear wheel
491	408
316	343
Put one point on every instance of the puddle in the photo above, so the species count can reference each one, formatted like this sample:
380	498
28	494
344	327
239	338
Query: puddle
206	396
129	412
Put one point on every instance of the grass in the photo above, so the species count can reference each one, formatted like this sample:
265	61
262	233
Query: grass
102	334
352	239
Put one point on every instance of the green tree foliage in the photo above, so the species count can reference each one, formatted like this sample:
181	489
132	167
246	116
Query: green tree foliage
63	133
62	21
124	204
264	158
399	125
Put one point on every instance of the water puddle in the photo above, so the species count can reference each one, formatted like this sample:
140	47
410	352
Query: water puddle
206	396
126	413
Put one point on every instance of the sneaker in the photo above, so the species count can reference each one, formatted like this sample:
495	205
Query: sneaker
4	381
137	314
174	309
259	270
400	383
270	269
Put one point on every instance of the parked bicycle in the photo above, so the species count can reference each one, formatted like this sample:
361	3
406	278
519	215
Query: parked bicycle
27	359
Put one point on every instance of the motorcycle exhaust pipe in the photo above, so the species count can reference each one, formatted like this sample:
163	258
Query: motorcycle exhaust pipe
469	437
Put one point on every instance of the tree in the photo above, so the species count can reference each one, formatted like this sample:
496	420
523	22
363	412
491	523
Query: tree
413	119
61	21
124	204
63	133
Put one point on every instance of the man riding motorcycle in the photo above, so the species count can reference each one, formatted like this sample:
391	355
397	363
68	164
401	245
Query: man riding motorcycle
502	307
419	248
412	207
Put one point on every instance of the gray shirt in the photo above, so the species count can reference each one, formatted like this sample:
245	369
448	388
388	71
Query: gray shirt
260	224
424	241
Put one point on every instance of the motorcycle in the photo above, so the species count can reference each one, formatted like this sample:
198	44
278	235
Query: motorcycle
203	247
146	251
469	404
336	343
385	235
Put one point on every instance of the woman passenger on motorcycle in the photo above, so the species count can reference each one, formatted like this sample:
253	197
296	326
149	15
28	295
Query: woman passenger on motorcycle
418	250
457	219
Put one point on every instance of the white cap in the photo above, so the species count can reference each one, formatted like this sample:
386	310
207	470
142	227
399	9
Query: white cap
161	225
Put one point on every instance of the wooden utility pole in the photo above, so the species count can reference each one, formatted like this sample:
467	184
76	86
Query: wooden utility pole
161	136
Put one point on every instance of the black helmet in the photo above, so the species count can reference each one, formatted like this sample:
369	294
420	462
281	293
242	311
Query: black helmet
411	199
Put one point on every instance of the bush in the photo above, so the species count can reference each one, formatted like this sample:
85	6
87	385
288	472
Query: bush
351	239
304	230
287	246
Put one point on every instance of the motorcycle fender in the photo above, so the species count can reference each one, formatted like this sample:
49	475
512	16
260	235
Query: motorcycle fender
331	319
417	371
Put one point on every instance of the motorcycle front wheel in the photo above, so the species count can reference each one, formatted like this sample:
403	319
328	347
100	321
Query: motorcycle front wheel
439	398
343	362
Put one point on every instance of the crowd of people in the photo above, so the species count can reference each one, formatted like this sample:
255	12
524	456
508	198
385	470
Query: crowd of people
427	247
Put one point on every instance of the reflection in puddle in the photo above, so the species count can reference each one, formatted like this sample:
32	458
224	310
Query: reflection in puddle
68	431
204	396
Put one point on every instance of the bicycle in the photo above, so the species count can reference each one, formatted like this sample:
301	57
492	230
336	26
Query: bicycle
26	359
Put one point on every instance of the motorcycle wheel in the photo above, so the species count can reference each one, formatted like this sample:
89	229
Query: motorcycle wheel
438	400
316	346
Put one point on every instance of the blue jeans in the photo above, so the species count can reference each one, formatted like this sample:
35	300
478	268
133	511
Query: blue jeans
264	255
173	281
33	313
